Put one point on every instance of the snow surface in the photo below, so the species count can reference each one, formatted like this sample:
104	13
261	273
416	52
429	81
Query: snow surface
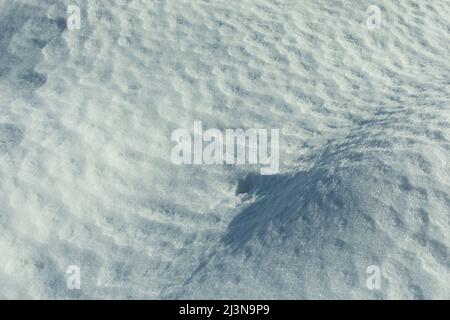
85	172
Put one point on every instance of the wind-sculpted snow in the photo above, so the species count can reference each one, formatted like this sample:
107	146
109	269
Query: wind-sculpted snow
368	198
86	178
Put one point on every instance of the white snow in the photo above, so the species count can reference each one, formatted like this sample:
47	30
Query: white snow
86	177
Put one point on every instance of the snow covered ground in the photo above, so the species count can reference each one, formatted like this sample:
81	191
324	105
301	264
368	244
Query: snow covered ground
86	177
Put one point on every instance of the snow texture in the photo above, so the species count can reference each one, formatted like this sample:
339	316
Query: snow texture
86	177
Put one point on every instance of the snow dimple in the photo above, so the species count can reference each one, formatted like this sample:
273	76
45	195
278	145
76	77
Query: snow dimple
10	136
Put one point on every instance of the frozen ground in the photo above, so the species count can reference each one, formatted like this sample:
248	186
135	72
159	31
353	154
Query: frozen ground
85	171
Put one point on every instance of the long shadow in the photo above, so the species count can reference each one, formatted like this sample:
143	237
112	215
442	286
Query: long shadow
278	203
